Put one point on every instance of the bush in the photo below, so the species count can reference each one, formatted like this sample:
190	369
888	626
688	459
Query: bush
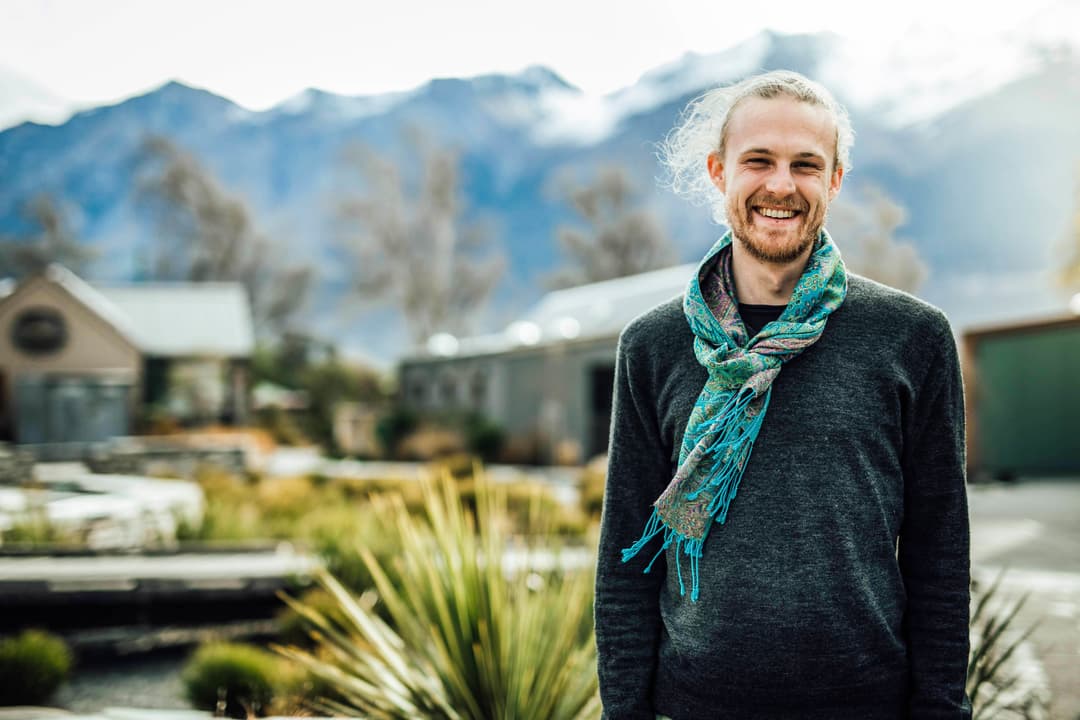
32	666
995	682
395	426
239	680
33	529
281	425
464	639
593	480
483	437
430	442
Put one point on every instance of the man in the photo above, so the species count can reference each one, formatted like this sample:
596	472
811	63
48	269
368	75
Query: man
835	585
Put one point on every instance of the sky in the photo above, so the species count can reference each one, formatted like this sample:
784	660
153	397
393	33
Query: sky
64	54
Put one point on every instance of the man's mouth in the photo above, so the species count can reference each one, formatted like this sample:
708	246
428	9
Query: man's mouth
776	213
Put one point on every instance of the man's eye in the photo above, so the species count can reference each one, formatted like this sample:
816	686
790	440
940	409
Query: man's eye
756	161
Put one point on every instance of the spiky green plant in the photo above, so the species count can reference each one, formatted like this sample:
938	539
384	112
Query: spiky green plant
993	679
465	638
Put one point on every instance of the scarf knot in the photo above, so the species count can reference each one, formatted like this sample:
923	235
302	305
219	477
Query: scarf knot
730	408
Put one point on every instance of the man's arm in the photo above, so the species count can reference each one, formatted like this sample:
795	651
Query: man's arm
934	541
627	611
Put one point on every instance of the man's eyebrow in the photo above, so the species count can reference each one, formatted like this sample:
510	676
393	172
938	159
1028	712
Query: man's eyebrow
770	153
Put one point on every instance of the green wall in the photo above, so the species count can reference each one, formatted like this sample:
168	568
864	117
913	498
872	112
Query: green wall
1027	415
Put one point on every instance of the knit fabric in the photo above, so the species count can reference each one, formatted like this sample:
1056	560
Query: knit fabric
839	585
719	436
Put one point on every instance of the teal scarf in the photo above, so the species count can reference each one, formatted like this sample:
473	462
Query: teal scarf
731	407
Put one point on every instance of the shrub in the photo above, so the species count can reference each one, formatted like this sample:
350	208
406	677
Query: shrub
34	529
593	480
286	498
430	442
395	426
282	426
994	682
465	639
235	679
483	437
33	664
530	509
338	534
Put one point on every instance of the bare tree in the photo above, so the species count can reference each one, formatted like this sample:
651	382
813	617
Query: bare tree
865	232
207	234
54	242
620	240
411	246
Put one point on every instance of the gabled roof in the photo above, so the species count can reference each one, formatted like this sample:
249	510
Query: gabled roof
93	300
186	319
166	319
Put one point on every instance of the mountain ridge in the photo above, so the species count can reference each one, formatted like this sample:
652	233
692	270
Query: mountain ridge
286	163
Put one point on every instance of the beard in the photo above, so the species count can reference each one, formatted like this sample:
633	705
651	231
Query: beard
773	245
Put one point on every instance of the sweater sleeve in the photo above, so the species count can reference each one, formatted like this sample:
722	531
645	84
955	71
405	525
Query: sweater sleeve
933	550
627	615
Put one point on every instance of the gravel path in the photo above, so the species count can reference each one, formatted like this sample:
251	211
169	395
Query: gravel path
147	681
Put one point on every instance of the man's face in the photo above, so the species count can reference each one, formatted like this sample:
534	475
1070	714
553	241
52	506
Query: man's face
777	175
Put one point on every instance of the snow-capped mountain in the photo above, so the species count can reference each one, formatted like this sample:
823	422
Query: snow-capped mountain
987	175
22	98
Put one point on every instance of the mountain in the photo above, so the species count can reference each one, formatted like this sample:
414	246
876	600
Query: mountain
21	97
988	180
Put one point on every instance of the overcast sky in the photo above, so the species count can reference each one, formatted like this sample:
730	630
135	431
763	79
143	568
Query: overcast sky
257	53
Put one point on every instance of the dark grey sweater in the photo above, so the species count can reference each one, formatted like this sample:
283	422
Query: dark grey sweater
838	587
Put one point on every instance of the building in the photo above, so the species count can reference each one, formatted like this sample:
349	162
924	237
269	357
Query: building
1022	386
547	379
81	363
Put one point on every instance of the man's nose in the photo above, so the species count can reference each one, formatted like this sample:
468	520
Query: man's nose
780	181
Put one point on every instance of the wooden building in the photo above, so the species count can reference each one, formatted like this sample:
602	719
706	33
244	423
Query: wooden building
81	363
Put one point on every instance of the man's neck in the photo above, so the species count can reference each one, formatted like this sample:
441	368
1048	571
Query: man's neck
763	283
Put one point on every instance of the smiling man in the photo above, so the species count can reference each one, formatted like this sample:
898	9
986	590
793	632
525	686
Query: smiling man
835	585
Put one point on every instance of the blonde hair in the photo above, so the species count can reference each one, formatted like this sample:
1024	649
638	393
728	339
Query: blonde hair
703	127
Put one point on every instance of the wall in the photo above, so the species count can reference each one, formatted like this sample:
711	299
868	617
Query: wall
94	348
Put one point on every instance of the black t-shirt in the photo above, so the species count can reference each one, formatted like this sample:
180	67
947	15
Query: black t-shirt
755	317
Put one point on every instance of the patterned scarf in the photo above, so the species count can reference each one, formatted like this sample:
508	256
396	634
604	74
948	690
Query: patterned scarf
731	407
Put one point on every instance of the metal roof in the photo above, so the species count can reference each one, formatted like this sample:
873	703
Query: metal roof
186	319
587	312
164	319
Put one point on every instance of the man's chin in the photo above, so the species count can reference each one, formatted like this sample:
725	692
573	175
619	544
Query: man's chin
776	251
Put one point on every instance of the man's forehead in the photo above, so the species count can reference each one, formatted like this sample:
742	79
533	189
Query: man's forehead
754	121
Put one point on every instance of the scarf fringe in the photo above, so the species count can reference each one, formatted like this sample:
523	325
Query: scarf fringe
731	449
691	547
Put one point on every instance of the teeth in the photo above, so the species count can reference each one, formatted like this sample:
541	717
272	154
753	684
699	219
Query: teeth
778	214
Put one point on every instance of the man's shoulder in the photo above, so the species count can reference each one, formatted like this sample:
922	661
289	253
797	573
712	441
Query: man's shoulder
870	301
658	325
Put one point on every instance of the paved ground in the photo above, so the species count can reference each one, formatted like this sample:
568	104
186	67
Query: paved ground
1032	530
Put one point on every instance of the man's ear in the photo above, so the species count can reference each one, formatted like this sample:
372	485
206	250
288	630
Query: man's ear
716	170
835	182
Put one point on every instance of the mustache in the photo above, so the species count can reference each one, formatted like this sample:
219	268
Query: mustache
778	203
